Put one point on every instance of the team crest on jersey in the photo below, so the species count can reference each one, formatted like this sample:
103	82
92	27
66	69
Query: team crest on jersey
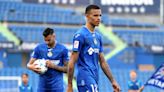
95	41
49	54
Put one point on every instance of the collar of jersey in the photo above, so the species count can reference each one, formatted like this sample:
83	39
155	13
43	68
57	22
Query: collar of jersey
89	30
25	85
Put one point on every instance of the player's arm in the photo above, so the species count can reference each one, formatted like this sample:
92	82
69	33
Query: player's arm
32	67
141	89
107	72
130	90
56	67
65	61
71	64
34	56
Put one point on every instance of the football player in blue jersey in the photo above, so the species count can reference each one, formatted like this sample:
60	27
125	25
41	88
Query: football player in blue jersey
134	84
25	86
88	53
56	56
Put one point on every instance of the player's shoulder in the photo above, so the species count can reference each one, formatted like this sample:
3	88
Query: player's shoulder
138	81
98	34
80	32
61	46
40	45
130	82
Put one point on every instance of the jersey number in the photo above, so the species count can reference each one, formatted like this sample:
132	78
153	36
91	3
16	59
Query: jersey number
94	88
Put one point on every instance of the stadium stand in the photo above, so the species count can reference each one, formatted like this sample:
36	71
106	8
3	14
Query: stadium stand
2	39
37	13
22	31
144	37
27	21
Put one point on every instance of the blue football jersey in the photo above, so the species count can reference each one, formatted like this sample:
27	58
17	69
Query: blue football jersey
89	45
52	79
25	88
134	85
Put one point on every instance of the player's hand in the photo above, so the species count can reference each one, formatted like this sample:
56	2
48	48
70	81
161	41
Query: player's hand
141	89
69	88
49	64
115	86
35	69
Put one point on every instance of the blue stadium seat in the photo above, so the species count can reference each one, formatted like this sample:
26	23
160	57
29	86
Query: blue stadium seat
34	34
146	37
47	13
2	38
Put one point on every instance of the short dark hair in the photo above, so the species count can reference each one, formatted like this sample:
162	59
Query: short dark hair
24	74
89	7
48	31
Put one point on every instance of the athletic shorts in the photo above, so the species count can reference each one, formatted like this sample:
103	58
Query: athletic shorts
88	88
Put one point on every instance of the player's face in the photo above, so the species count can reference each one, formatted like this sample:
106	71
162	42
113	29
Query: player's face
49	39
133	75
24	79
94	17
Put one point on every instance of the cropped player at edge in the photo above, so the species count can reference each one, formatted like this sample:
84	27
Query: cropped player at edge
87	51
55	56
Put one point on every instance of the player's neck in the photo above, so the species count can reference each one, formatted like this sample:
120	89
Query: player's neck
52	45
25	83
133	80
90	27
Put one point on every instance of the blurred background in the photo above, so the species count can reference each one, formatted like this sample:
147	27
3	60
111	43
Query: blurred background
132	30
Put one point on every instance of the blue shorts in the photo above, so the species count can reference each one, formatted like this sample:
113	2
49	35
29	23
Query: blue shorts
88	88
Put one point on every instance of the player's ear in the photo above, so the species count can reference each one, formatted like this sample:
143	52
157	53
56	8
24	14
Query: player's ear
86	15
54	35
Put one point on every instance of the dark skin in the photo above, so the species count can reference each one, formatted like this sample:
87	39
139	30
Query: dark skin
93	19
50	41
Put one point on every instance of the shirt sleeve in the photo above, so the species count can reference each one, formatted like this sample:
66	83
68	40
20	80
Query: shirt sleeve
35	53
129	85
65	55
78	41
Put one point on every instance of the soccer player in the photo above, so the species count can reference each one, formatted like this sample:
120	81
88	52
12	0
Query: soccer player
56	56
25	86
87	51
134	85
